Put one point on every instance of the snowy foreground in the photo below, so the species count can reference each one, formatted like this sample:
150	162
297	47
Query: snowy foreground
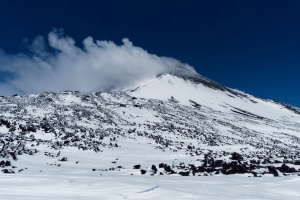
58	187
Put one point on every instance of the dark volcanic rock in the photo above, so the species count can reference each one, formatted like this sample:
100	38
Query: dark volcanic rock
167	168
273	171
234	168
136	166
161	165
184	173
7	163
236	156
64	159
286	169
154	169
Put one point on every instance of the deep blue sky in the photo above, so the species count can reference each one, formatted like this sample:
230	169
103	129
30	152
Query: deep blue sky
251	45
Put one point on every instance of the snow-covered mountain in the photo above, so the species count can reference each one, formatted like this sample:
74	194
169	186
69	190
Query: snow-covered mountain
179	123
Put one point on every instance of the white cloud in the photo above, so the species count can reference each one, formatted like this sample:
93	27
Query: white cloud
61	65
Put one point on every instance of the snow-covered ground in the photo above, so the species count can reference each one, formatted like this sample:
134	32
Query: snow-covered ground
88	187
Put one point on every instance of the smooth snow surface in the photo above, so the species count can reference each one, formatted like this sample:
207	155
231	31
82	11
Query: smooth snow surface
61	187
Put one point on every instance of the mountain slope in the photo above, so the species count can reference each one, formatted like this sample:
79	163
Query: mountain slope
176	124
210	94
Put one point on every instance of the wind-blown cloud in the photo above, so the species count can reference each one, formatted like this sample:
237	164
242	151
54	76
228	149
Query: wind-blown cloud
57	64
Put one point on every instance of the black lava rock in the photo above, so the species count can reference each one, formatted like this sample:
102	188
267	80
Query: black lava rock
273	171
7	163
161	165
64	159
236	156
154	169
167	168
286	169
184	173
136	166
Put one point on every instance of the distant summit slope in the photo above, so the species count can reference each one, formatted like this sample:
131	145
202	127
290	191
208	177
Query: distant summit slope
188	87
189	73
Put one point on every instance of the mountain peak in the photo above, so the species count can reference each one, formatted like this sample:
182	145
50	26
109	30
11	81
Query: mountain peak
186	87
188	73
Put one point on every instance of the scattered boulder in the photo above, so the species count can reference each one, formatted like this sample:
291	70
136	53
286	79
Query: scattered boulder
286	169
136	166
8	171
64	159
184	173
167	168
154	169
7	163
273	171
236	156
